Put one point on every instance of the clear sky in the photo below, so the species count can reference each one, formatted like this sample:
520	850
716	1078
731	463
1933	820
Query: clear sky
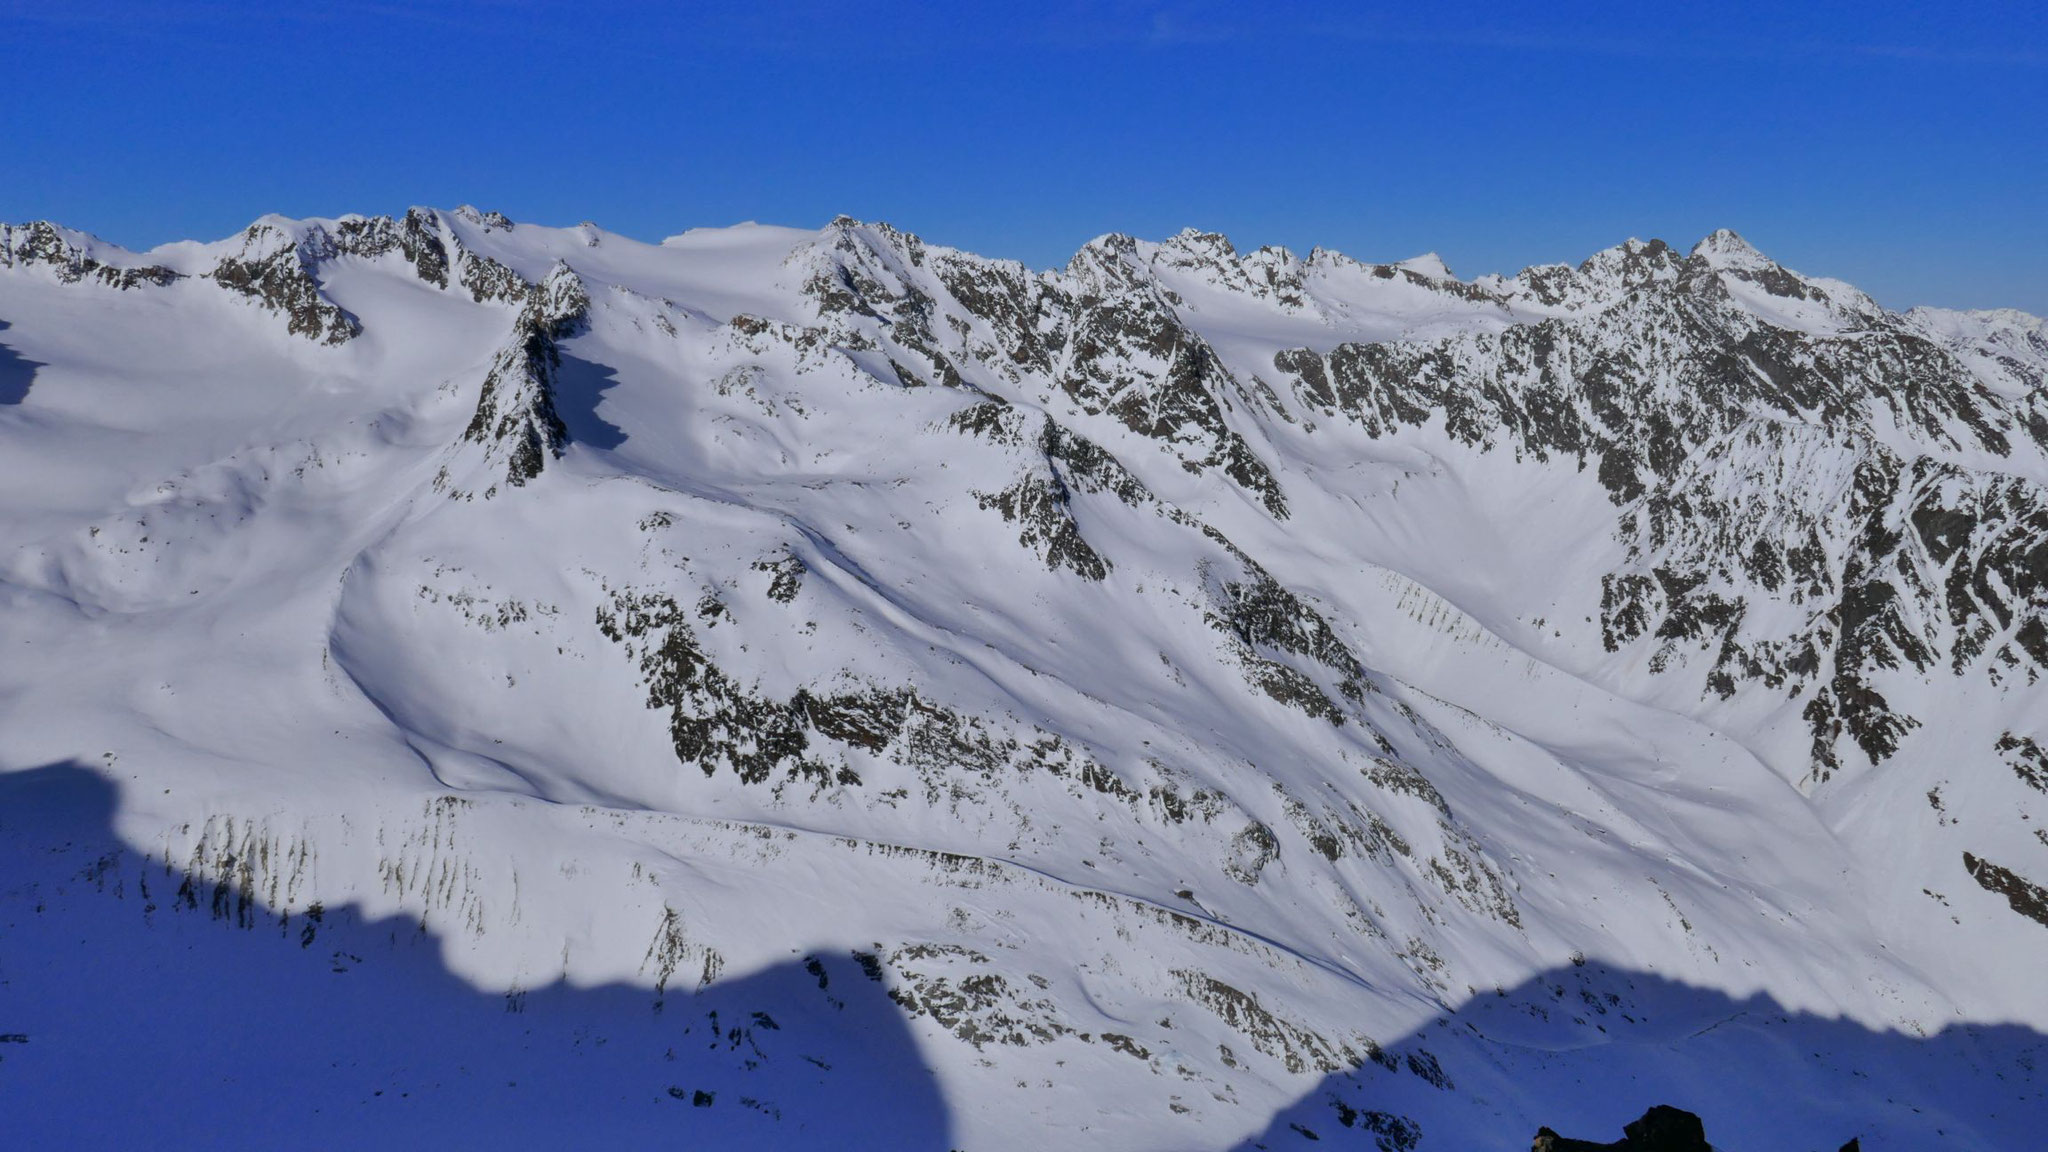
1901	146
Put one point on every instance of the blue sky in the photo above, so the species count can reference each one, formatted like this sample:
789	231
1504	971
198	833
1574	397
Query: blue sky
1901	146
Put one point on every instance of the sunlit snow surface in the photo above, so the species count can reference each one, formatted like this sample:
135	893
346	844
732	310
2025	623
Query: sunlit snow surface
888	711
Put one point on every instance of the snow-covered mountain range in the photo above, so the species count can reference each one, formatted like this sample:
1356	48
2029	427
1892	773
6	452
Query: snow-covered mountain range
503	684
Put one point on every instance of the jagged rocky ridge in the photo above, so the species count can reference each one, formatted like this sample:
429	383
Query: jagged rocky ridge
1320	638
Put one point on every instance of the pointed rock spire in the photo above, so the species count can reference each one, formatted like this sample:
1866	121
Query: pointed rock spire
516	420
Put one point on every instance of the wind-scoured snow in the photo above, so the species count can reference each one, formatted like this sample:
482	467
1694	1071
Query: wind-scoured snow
828	689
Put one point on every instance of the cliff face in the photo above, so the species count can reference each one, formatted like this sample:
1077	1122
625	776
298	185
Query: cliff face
1181	684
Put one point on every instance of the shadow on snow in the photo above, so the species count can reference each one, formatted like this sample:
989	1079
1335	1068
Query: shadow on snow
17	372
1587	1048
140	1022
129	1016
579	387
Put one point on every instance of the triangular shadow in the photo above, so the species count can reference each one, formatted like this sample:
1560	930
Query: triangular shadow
1586	1048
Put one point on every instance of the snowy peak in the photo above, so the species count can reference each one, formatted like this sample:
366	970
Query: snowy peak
73	256
1778	295
1112	258
488	221
1632	266
273	267
1429	266
1200	697
1194	247
559	304
517	420
1723	248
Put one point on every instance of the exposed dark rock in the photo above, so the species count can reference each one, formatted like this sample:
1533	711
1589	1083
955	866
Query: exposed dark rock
417	237
1661	1129
1653	375
785	576
1656	383
1105	333
1265	621
41	242
516	418
1296	1046
275	270
2027	759
2026	897
940	981
489	221
1039	503
489	281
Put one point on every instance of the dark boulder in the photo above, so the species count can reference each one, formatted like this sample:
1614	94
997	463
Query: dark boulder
1661	1129
1666	1129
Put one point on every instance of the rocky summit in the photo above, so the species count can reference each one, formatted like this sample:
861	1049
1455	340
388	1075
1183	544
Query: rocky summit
476	682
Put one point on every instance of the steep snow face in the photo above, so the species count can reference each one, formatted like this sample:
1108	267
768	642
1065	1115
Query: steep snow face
1183	687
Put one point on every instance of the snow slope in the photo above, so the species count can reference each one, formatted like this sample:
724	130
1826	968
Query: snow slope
826	689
